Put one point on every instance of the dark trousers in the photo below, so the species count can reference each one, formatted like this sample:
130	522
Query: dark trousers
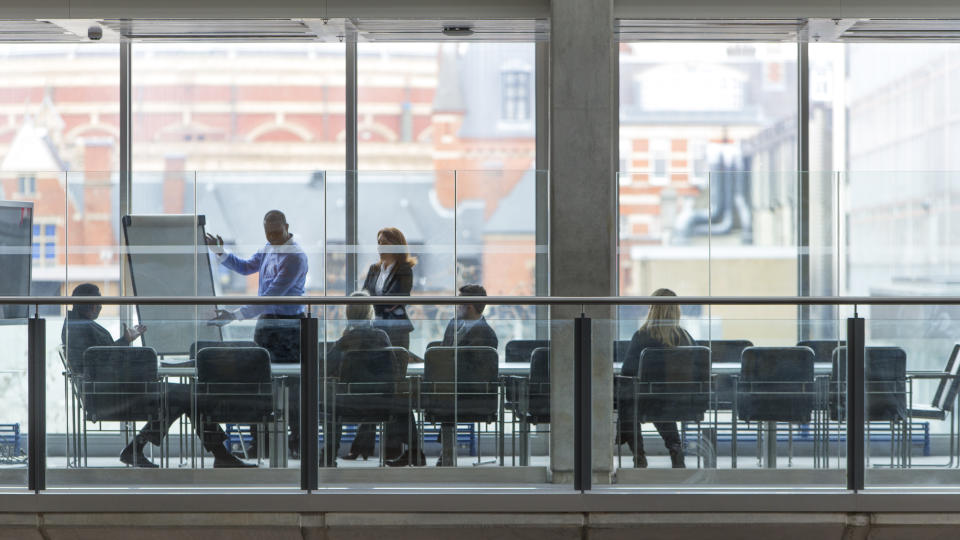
668	432
178	404
280	335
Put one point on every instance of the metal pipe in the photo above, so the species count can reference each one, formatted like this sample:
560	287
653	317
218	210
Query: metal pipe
488	300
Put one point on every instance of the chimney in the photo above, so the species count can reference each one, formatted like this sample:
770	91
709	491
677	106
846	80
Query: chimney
174	183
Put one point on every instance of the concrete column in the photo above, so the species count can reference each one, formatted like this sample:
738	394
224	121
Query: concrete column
583	220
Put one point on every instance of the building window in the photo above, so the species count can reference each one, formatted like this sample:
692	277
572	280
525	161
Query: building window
27	184
45	242
659	154
515	91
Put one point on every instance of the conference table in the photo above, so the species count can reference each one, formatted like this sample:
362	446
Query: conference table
187	370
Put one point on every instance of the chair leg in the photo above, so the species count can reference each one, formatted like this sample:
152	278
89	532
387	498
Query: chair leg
789	445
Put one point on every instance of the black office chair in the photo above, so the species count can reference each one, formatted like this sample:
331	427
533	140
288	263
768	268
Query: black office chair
672	385
461	385
520	350
368	391
434	344
121	384
776	384
234	385
944	399
885	373
531	400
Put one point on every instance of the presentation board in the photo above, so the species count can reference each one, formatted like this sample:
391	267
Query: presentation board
16	249
167	256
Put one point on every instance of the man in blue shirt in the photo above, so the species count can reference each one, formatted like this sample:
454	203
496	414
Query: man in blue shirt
282	269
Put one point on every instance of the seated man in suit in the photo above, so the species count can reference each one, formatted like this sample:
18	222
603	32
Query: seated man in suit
469	328
80	332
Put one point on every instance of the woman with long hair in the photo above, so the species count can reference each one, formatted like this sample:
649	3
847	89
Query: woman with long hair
660	330
392	275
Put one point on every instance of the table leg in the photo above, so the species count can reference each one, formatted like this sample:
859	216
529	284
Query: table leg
770	449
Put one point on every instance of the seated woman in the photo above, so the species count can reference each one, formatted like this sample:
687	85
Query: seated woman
361	335
660	330
80	332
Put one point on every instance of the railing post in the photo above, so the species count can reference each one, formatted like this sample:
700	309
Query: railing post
855	404
582	417
36	403
309	403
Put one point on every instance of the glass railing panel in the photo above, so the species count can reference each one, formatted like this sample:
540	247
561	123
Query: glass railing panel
496	230
144	412
910	386
13	386
663	235
469	407
739	398
901	232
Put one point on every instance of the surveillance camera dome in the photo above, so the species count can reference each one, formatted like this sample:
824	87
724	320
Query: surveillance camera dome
95	32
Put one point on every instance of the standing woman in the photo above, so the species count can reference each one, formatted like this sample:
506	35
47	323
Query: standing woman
392	275
660	330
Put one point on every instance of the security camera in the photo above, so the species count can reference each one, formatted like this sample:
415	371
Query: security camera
95	32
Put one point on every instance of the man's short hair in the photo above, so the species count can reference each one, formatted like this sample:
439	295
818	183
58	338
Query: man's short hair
474	290
359	312
274	216
86	289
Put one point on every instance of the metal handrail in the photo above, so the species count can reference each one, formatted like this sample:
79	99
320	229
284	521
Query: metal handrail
488	300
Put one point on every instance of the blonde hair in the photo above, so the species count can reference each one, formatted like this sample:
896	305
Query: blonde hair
393	237
359	312
663	321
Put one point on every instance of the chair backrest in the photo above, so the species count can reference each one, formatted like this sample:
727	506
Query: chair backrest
540	366
401	359
373	371
620	348
676	365
233	365
434	344
725	350
673	384
822	348
539	388
120	384
234	384
886	379
776	384
120	364
945	398
203	344
885	371
519	350
460	383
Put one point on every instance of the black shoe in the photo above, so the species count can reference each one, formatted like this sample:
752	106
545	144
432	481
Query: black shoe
133	455
640	461
416	460
323	461
676	459
229	461
355	452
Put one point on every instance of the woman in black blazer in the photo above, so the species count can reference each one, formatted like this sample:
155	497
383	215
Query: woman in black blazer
392	275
